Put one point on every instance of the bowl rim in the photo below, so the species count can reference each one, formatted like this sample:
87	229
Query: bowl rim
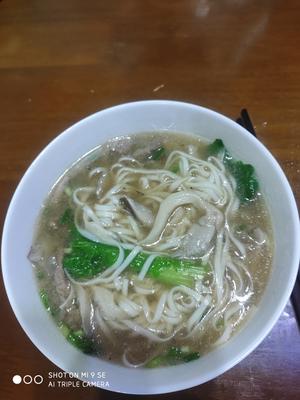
296	230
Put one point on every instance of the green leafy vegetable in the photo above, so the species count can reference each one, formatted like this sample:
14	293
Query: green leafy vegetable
65	330
175	168
157	153
68	191
244	174
45	299
156	362
40	274
215	147
173	356
67	218
77	338
86	258
241	228
46	302
220	323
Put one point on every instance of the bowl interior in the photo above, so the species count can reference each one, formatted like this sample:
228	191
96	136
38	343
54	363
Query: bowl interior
61	154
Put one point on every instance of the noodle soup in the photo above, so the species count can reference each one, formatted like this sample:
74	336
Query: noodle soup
153	249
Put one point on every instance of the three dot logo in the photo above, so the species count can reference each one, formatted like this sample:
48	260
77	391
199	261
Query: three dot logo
28	379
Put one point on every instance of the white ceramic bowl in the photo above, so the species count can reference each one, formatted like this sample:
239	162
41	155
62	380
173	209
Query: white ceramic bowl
68	147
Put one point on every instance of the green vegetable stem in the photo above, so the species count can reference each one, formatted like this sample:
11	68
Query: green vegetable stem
173	356
87	259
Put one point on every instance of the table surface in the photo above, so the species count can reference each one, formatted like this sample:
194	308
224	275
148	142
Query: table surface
63	60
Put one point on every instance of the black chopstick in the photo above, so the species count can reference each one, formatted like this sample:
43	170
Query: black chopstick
245	121
295	298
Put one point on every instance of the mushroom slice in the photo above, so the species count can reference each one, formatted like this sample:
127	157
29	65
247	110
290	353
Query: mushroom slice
137	210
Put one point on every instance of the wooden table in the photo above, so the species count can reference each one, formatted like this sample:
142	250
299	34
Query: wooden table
63	60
